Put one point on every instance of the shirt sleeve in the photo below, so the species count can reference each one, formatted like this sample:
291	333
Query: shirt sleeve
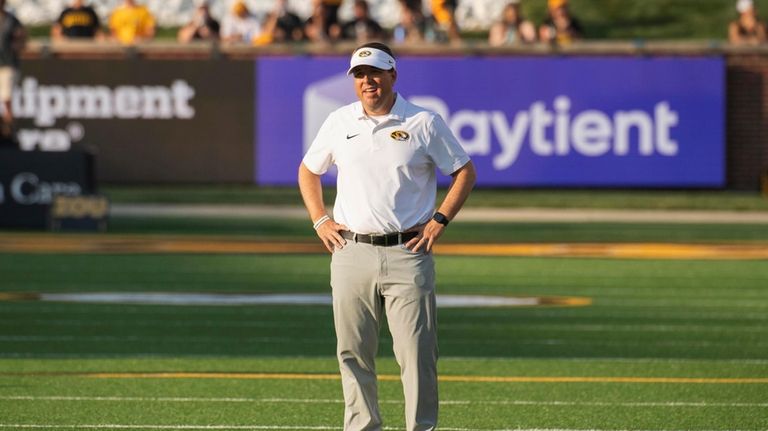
444	149
112	21
149	21
319	157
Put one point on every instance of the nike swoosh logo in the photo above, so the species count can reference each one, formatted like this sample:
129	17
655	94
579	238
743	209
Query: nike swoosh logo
352	136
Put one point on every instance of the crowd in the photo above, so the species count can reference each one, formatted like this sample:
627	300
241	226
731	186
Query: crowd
424	21
132	23
421	21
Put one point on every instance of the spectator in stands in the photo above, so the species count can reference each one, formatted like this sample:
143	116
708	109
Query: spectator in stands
240	25
513	29
444	15
414	5
202	27
362	28
747	29
322	26
413	27
288	27
331	15
77	22
560	27
13	37
132	23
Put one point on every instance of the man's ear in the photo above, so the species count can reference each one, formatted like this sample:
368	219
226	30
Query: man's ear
394	75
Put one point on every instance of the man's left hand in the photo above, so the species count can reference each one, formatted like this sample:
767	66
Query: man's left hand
428	235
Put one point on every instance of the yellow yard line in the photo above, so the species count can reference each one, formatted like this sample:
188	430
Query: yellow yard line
50	243
612	250
393	377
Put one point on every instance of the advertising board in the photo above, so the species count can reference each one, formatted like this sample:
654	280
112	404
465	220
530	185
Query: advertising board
30	181
530	122
147	121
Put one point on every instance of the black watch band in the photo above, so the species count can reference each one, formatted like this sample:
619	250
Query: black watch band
440	218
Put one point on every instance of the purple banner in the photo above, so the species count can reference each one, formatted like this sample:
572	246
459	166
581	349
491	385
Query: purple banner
552	122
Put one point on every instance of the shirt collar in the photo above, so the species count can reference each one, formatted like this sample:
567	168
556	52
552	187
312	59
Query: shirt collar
396	113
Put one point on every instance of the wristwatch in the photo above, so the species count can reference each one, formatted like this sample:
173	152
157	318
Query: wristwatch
440	218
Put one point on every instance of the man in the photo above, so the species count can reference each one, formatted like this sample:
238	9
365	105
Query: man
131	23
363	27
77	21
747	29
382	232
13	37
240	25
203	26
288	27
560	27
444	13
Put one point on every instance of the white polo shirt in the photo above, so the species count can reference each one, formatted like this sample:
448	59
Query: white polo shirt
386	165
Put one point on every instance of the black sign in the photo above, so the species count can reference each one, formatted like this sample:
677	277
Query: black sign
148	121
29	181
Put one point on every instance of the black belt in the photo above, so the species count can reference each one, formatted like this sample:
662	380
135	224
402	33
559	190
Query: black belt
384	240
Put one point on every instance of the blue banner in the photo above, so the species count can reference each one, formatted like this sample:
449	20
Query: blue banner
541	122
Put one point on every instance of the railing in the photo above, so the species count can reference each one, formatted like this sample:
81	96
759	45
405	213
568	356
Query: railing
42	48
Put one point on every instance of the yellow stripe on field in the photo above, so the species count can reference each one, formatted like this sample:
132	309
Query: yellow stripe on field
393	377
52	243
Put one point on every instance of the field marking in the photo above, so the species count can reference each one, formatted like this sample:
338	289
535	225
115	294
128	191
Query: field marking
340	401
393	377
246	299
111	243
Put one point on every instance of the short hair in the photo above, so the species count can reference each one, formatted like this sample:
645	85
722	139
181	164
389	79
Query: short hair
377	45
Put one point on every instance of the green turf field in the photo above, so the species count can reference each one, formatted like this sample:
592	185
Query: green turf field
664	344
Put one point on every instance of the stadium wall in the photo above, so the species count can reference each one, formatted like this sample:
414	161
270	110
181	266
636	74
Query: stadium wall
746	121
215	138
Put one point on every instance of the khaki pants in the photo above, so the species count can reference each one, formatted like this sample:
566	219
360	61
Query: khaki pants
366	281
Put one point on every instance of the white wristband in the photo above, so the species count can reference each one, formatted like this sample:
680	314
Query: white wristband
320	221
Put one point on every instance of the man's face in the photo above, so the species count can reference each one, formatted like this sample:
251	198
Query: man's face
374	88
360	11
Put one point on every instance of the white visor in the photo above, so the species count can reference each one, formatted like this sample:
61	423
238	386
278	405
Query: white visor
371	57
744	5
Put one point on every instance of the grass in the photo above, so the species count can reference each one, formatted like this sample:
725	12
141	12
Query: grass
460	231
641	309
499	198
308	404
649	321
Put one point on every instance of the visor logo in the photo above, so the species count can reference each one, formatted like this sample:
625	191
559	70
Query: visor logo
399	135
364	54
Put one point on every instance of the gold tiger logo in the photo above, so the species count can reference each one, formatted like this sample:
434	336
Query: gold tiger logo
364	54
400	135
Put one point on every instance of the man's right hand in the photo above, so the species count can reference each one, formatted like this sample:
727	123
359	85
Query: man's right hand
330	233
